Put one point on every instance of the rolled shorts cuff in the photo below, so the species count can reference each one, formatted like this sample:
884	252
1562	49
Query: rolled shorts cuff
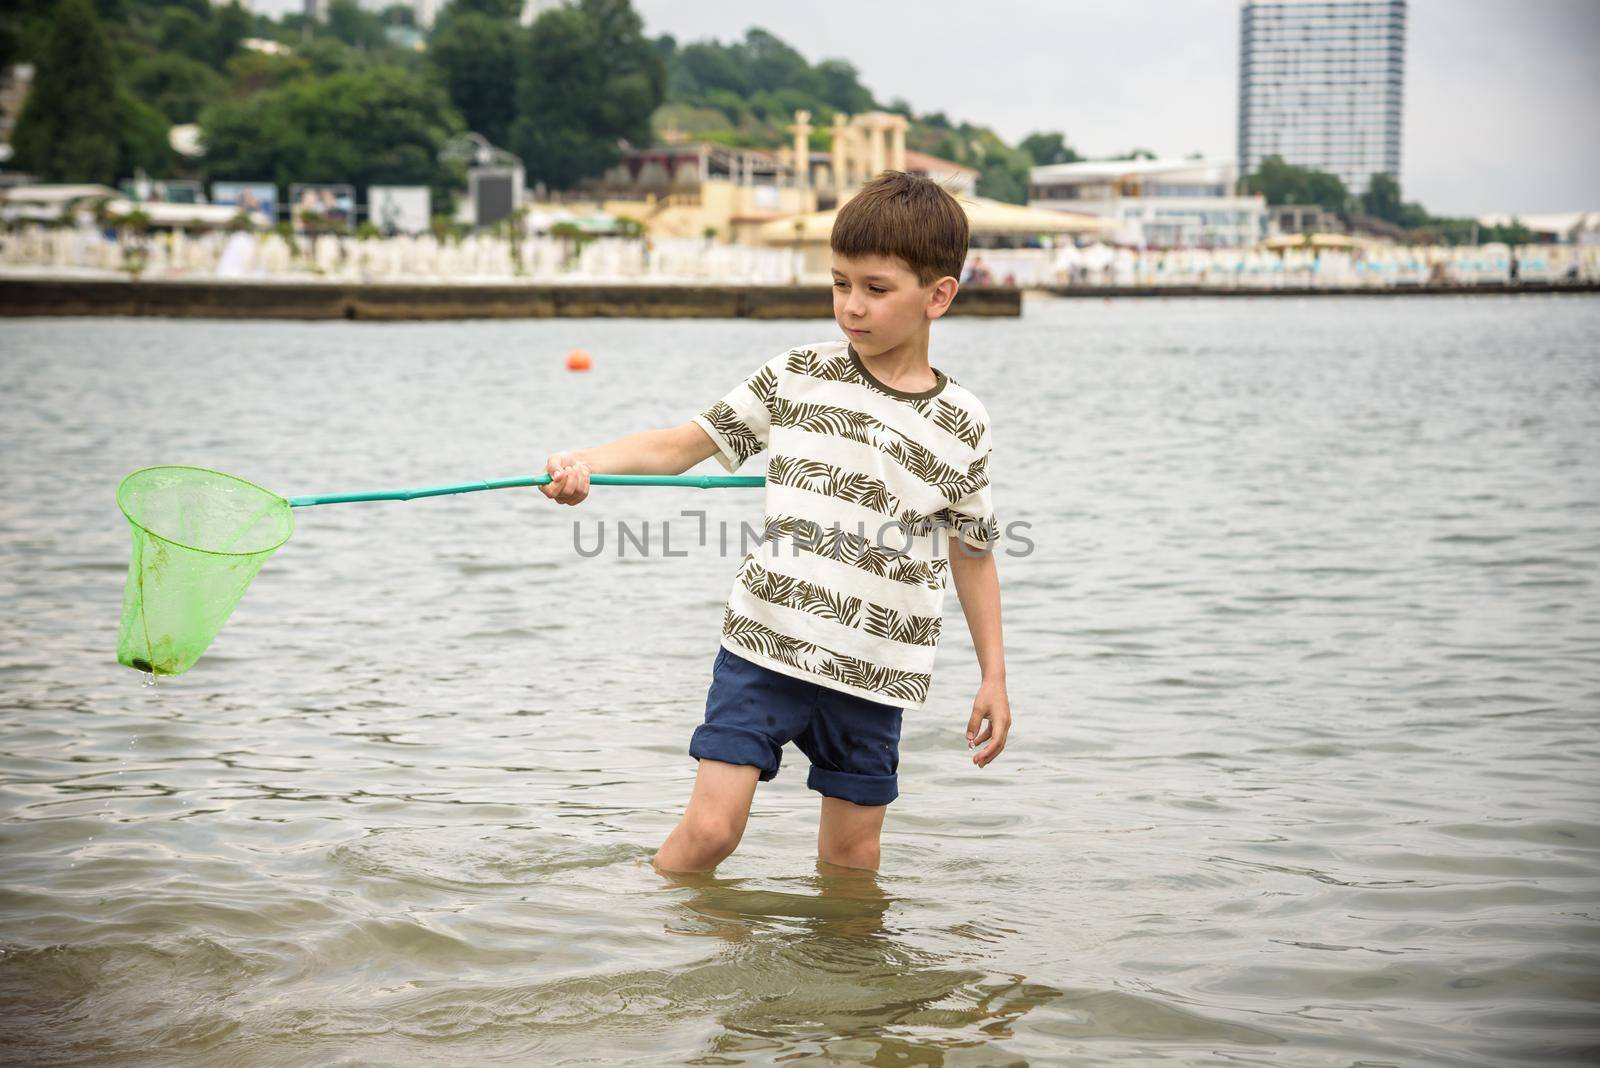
859	789
734	745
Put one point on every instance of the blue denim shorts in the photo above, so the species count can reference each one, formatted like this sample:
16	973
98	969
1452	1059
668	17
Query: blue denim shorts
751	711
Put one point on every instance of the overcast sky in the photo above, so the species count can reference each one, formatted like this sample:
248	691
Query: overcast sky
1500	95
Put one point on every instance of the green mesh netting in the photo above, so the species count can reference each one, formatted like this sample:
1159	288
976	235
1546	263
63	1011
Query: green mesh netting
199	537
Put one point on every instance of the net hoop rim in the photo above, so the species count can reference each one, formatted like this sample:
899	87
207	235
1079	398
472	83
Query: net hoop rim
210	471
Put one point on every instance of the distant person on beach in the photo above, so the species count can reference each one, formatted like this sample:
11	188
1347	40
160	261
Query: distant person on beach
877	492
978	273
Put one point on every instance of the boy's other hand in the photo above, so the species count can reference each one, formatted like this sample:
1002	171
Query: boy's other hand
569	478
991	704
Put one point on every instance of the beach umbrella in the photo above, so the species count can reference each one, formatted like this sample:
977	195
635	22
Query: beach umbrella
200	537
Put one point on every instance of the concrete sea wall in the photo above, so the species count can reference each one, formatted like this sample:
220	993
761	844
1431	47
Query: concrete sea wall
244	300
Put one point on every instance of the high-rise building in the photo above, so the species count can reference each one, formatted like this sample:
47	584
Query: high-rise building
1320	84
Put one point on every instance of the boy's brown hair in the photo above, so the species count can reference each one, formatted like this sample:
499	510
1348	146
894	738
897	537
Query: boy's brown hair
900	214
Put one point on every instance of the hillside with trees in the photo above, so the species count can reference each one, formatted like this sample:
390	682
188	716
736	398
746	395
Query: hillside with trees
354	99
365	97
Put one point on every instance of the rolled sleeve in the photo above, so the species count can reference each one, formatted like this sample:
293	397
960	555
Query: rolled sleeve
973	515
976	522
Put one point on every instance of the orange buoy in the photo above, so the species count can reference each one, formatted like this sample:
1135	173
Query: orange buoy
577	360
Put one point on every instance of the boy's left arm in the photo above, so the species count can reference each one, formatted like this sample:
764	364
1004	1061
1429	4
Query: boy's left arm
978	587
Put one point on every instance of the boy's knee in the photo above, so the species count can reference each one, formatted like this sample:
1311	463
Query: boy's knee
859	855
714	833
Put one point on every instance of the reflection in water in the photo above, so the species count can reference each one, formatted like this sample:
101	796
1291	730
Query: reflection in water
821	973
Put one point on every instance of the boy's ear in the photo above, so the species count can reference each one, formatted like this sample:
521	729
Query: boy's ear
944	291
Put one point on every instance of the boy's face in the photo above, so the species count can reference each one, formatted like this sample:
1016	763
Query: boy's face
879	304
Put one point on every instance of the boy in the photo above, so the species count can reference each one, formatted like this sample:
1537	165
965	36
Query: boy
831	627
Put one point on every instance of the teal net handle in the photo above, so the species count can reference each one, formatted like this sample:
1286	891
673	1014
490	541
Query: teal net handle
691	481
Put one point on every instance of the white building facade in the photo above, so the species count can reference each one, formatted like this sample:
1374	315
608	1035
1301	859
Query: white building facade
1321	84
1182	203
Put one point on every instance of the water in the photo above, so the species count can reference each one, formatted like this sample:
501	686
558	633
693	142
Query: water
1303	663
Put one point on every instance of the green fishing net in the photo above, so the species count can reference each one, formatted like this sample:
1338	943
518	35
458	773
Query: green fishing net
199	538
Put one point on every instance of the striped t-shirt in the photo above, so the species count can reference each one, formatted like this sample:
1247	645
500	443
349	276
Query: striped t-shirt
865	485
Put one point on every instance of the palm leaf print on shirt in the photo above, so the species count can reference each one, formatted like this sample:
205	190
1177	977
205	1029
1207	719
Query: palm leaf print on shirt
800	595
765	386
808	363
958	423
824	478
851	548
866	430
985	530
741	439
841	608
911	686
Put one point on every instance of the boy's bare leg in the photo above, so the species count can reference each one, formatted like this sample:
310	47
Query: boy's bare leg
714	821
847	833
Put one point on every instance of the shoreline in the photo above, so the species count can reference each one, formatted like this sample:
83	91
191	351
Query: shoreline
55	296
384	302
1478	289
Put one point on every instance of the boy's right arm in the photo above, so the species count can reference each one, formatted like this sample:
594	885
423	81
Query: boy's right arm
669	451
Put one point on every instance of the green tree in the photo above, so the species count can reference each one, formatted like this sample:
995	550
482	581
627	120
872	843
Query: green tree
69	127
175	85
24	30
839	86
379	125
1382	198
1282	183
230	24
1048	148
398	15
1382	201
185	32
503	10
772	64
1512	233
328	56
141	137
756	84
476	59
250	73
587	78
120	9
1002	170
704	67
356	27
11	41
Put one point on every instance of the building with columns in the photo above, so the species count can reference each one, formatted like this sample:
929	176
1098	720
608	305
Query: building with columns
685	188
862	147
